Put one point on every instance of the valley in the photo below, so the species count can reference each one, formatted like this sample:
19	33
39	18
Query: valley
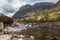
41	21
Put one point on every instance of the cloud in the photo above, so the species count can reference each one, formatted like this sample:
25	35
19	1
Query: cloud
32	1
9	7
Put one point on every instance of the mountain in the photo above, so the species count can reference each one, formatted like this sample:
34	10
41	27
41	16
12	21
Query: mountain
42	6
55	10
30	8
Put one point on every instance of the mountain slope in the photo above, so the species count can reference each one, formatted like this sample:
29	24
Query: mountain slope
55	10
31	8
6	20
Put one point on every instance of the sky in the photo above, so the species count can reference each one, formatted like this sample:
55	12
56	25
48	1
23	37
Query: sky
9	7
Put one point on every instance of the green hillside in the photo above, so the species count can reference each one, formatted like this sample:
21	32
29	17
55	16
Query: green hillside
52	14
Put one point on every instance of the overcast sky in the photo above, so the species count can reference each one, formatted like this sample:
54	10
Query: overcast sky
9	7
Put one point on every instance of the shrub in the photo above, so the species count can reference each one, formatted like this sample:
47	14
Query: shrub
58	18
45	17
36	33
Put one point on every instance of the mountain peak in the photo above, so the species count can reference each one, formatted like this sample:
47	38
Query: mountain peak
25	6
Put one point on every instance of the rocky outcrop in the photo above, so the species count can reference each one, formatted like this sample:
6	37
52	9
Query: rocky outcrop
1	25
6	20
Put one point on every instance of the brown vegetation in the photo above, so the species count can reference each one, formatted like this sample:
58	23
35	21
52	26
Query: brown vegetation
6	20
